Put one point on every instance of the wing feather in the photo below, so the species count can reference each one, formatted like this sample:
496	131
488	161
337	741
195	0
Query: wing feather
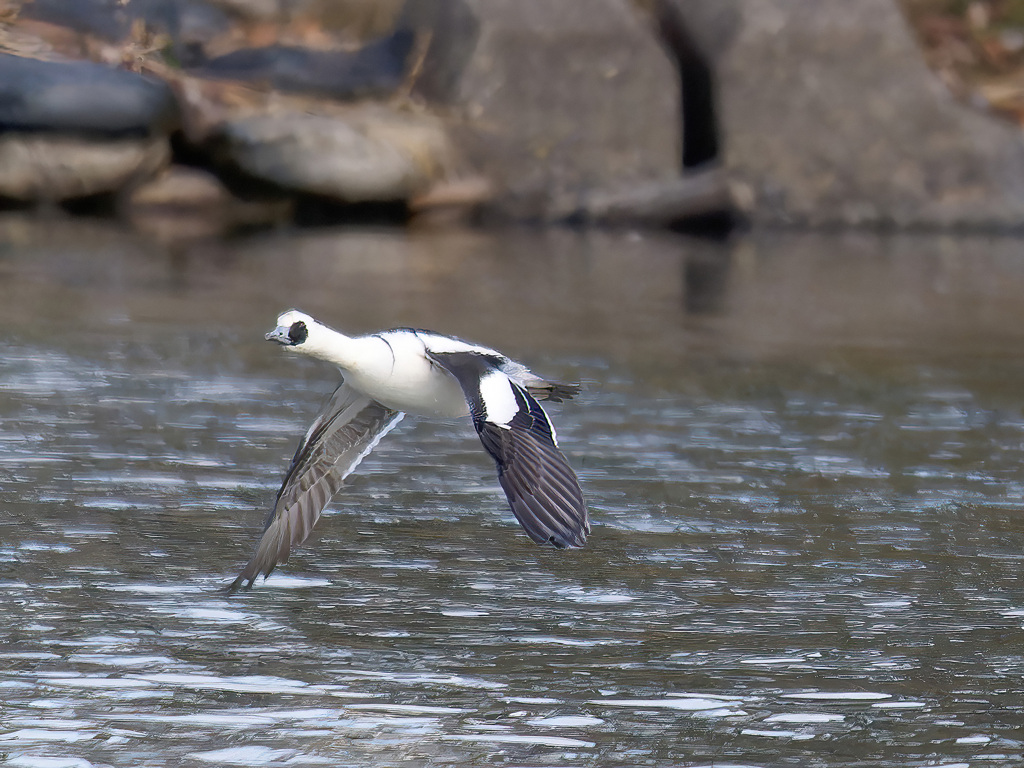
348	427
542	490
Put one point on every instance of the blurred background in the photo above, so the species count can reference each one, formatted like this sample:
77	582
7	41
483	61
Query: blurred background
778	243
216	115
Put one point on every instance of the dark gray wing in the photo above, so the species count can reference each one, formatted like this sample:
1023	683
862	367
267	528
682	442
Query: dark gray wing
541	487
348	427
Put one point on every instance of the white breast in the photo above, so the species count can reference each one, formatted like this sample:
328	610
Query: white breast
394	370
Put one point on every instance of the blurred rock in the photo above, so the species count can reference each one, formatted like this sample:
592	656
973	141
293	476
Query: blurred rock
261	10
376	69
81	97
660	203
192	26
53	167
179	188
188	203
559	97
300	20
452	30
358	20
206	105
106	19
362	156
110	28
828	115
450	202
454	193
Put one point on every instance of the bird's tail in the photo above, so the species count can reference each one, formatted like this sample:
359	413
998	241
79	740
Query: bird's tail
553	390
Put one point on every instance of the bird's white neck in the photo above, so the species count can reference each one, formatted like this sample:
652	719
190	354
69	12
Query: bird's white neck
331	346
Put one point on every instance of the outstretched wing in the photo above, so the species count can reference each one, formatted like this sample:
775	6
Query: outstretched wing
343	433
541	488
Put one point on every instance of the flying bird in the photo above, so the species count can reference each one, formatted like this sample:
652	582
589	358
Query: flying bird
408	370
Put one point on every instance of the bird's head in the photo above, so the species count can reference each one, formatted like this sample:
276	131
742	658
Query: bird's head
293	328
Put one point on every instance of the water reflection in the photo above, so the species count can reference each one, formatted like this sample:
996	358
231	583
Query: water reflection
802	454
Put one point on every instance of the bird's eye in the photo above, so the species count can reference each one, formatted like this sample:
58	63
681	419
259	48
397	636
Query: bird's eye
298	332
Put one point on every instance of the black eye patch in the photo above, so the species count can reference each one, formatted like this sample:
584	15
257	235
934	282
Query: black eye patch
298	332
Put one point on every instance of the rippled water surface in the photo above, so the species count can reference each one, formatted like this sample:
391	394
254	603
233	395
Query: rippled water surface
803	457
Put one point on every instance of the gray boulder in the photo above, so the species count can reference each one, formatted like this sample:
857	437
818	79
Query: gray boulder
367	155
81	97
77	129
825	114
555	98
52	167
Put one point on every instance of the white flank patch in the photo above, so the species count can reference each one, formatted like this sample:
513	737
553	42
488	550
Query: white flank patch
499	400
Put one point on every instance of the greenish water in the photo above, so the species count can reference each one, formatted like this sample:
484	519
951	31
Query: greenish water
802	455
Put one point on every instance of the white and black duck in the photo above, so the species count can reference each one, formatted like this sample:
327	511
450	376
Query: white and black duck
406	370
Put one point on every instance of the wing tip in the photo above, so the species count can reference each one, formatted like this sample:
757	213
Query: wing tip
238	585
561	532
579	542
294	515
247	578
574	538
